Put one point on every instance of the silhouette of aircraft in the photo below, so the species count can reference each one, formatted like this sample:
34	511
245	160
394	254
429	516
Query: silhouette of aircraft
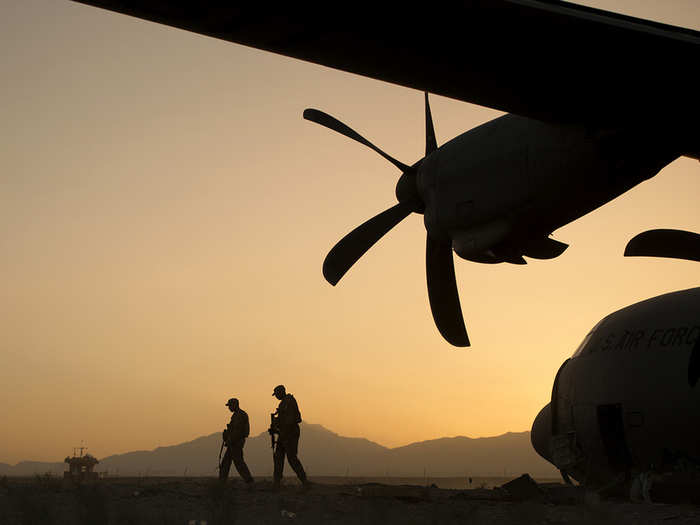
598	103
627	400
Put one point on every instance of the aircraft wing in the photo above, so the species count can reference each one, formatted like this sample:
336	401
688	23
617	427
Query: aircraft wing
547	60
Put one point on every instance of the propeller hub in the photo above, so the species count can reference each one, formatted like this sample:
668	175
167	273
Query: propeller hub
407	191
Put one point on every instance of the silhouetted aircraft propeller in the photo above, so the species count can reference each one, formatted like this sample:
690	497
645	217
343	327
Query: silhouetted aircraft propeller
676	244
442	285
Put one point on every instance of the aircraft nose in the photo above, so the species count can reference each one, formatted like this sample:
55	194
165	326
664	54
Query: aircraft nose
541	433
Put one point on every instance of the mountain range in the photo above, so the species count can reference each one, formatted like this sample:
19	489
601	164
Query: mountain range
325	453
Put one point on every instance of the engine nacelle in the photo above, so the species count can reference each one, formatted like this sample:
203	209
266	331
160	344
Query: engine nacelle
467	243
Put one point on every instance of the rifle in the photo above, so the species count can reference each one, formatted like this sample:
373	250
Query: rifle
272	430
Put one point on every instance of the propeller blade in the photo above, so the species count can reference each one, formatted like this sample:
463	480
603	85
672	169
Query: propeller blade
443	294
354	245
430	140
319	117
675	244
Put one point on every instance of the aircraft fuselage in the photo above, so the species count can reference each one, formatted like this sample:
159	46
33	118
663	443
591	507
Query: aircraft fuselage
628	400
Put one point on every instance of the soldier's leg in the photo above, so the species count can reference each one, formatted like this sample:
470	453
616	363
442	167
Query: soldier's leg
278	459
291	445
225	464
238	461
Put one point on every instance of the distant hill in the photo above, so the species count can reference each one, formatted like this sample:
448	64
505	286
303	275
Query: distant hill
28	468
325	453
491	456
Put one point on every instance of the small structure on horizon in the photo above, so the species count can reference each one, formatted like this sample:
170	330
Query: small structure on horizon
80	467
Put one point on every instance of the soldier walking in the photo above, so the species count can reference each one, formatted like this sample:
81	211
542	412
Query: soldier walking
235	434
285	423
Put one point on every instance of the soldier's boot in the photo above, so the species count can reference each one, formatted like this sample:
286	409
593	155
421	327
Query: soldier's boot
276	484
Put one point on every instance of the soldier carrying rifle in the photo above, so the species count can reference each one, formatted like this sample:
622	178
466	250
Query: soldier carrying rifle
285	423
234	437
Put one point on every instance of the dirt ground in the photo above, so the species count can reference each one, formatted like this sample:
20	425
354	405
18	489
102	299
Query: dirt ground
196	501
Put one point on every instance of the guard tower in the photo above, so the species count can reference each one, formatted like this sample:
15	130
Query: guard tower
80	467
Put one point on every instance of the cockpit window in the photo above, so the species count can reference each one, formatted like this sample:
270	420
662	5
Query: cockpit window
583	344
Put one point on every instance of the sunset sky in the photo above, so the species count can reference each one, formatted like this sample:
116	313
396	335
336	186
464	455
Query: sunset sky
164	214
